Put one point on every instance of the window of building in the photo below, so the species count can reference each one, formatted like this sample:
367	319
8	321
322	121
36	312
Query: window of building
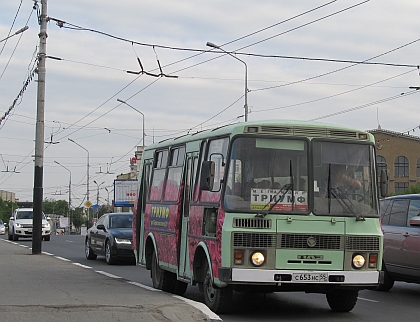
418	168
401	167
400	186
380	164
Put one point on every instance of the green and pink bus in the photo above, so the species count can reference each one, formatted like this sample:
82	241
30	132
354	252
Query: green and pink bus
257	207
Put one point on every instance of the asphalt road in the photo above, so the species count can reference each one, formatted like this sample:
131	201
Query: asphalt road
401	303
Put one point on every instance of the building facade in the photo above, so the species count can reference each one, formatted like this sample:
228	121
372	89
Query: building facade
400	154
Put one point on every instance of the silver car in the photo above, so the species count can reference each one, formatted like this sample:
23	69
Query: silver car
400	217
2	228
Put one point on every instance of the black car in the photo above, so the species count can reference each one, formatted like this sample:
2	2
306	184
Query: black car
400	217
112	237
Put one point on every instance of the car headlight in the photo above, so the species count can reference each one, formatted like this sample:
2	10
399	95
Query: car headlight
257	258
17	225
45	225
358	261
122	241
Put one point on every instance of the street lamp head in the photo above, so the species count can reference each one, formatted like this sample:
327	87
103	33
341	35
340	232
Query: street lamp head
210	44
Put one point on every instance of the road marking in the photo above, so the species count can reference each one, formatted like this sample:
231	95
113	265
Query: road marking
69	241
81	265
49	254
144	286
363	299
63	259
108	274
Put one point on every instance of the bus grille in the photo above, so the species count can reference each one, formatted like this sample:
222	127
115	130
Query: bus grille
297	241
254	240
366	243
251	223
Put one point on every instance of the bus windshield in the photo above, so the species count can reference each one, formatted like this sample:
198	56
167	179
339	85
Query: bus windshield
343	175
267	174
272	175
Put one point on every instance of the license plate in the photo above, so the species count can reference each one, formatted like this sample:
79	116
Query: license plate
310	277
30	231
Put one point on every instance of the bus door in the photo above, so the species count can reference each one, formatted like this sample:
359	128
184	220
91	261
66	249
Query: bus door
189	175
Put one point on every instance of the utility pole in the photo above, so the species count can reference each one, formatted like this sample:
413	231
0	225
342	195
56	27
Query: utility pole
39	136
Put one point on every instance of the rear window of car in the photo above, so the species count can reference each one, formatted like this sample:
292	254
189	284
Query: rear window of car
413	209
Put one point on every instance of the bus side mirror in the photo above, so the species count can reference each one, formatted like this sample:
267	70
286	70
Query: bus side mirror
207	176
384	183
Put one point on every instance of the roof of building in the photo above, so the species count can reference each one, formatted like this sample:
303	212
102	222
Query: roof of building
394	134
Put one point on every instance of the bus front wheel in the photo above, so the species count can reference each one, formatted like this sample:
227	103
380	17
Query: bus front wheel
219	300
342	300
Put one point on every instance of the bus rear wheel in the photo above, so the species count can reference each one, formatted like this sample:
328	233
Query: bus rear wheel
342	300
161	279
219	300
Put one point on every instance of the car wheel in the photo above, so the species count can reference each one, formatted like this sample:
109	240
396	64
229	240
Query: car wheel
109	258
9	236
161	279
388	282
342	300
219	300
88	250
47	238
15	237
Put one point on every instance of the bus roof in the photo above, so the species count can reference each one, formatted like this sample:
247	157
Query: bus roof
271	127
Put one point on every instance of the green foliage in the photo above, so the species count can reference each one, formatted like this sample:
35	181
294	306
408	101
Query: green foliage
6	210
414	188
56	207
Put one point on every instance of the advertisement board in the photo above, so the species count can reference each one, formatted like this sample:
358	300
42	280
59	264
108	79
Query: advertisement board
125	193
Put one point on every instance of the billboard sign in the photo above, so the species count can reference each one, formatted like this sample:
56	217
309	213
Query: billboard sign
125	193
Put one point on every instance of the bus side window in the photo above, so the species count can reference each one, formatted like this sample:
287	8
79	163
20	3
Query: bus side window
159	170
173	180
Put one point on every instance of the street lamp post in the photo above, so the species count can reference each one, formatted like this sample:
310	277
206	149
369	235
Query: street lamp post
87	177
68	215
97	196
124	102
210	44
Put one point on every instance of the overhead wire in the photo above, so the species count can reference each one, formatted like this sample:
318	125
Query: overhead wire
335	95
13	23
17	43
365	105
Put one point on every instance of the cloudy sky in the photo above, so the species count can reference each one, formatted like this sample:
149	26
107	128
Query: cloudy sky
344	62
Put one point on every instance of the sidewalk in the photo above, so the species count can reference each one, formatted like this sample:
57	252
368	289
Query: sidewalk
44	288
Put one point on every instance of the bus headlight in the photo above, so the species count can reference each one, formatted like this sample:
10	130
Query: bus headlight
257	258
358	261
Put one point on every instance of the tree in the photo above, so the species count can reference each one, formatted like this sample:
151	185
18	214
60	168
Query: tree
414	188
6	209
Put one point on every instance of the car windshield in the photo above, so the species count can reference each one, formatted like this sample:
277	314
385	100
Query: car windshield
25	214
125	221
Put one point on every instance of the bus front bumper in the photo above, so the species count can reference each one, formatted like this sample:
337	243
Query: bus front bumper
244	275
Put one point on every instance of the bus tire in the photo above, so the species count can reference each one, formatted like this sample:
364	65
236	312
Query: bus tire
342	300
161	279
219	300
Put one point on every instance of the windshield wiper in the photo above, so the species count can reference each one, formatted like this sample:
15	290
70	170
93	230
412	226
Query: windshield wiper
345	202
286	188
